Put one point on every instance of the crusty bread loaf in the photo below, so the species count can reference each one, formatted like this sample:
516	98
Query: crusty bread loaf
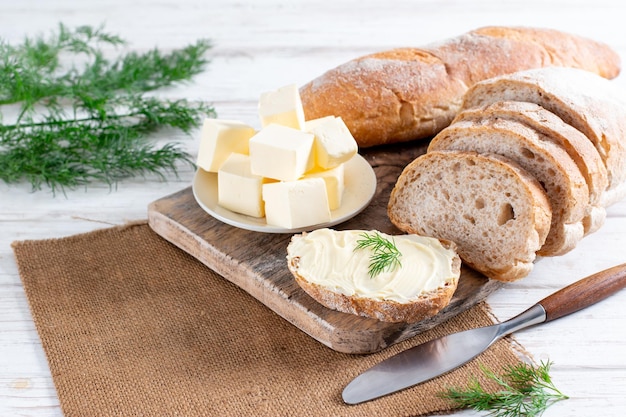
412	93
431	281
586	101
494	210
554	169
552	128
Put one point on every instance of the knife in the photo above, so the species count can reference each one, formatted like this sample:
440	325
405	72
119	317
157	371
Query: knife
439	356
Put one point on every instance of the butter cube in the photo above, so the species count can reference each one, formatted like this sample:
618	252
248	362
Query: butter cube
334	179
334	144
282	106
220	138
296	204
238	189
281	153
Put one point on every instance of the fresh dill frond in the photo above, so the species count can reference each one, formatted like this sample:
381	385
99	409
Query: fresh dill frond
385	254
82	117
61	152
526	391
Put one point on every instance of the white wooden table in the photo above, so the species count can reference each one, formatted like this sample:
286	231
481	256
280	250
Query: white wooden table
261	45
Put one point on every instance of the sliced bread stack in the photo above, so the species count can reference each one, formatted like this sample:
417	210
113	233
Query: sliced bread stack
591	104
562	130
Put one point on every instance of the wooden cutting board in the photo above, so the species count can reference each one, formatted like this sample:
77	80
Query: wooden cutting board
256	262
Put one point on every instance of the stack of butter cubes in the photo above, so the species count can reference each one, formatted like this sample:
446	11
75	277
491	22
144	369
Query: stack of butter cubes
291	171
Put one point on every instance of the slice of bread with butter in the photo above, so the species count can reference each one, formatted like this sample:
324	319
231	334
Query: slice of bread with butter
332	268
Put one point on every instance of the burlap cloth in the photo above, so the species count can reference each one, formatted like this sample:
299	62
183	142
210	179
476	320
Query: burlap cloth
133	326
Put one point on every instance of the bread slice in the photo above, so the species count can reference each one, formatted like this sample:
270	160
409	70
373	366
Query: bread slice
553	128
588	102
494	210
564	184
328	266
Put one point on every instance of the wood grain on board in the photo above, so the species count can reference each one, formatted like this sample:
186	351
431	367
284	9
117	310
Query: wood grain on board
256	262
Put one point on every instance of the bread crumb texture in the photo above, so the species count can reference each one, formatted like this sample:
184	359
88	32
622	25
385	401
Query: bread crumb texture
496	213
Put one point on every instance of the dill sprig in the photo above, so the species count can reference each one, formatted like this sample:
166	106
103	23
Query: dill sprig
385	254
82	117
526	391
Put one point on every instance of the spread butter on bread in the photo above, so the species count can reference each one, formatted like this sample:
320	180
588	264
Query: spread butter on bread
412	93
328	266
495	211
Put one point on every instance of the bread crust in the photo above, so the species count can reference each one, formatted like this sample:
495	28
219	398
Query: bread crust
408	212
564	184
578	147
412	93
571	140
426	305
589	103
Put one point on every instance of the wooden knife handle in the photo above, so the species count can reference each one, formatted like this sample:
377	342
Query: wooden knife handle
584	293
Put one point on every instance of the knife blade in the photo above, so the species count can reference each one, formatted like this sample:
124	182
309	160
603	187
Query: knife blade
439	356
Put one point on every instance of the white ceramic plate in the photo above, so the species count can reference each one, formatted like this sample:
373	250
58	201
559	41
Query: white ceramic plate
360	185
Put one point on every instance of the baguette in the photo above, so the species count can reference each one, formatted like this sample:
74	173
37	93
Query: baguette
411	93
494	210
326	266
565	186
588	102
